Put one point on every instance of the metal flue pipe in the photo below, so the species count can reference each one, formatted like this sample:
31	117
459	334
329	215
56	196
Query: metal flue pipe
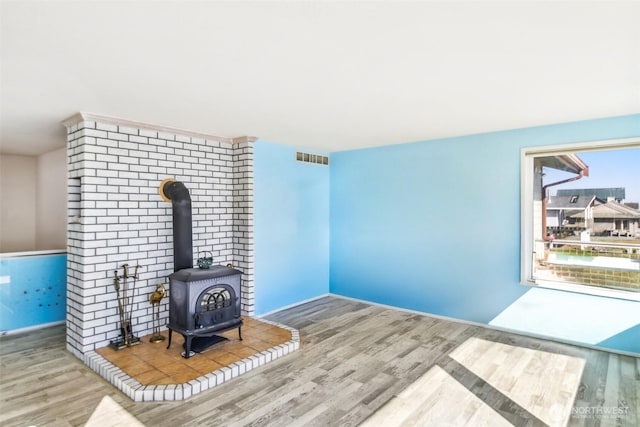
175	192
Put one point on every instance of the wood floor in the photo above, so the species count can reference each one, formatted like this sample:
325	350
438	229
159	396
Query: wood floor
354	358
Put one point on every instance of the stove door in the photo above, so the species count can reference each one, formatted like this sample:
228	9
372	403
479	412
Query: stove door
216	305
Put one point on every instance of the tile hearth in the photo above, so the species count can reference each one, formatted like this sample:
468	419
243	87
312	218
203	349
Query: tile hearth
151	372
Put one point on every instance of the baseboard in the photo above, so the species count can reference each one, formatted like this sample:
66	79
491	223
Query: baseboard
494	328
31	328
295	304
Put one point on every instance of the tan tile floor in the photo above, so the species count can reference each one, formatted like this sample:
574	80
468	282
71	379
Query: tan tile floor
153	364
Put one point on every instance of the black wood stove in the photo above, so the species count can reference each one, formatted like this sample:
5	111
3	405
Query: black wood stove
204	302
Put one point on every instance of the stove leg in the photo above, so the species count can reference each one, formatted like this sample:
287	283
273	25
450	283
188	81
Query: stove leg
240	332
187	346
170	333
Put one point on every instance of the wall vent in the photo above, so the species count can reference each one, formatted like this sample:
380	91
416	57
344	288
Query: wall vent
312	158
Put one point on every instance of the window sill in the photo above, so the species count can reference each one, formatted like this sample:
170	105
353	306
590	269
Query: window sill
584	289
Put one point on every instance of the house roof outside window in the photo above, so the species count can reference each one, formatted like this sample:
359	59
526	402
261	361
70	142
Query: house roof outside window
566	162
612	210
570	202
602	194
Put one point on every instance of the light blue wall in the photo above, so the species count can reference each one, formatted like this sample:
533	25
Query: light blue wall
626	340
33	290
291	227
434	226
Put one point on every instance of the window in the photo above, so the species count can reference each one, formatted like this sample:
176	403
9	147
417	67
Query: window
580	217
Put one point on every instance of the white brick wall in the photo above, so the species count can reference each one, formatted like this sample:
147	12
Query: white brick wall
117	216
242	204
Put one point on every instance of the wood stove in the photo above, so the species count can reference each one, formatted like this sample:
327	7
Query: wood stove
203	302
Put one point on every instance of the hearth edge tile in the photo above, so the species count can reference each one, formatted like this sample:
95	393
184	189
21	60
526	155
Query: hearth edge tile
133	391
178	392
251	363
279	351
227	371
212	379
219	376
147	393
257	360
204	383
187	391
195	386
170	392
267	356
158	393
118	380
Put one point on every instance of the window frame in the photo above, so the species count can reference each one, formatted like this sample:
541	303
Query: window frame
527	156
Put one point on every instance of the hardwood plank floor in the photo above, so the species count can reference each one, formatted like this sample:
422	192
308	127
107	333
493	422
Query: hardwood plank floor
354	358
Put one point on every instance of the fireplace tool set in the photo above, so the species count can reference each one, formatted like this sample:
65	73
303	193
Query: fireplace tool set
124	295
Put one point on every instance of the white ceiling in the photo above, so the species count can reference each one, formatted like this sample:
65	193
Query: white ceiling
323	75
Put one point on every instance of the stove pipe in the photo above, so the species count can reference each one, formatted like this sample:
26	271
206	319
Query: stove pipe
175	192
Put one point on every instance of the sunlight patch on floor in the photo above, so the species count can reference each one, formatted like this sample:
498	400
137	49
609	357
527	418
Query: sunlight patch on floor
436	399
109	414
544	384
567	315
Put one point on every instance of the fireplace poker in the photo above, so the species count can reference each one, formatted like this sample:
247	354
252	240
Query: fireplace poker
133	288
125	288
125	297
116	284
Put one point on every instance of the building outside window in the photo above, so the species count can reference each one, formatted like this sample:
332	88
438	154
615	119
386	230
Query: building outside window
578	236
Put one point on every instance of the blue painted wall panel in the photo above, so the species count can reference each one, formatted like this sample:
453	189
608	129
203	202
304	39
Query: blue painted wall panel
36	293
291	227
434	226
626	340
